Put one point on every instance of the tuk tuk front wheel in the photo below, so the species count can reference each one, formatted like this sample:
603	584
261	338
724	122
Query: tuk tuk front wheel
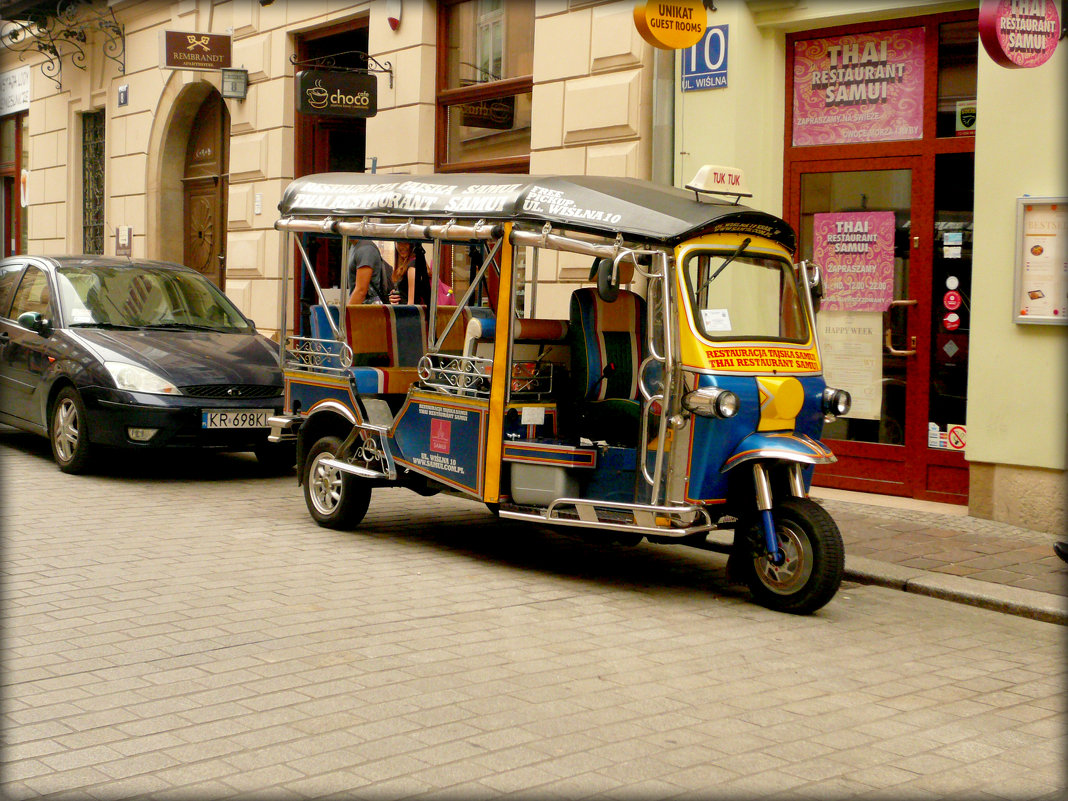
815	559
335	499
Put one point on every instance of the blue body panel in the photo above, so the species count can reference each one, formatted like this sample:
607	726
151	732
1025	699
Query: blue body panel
714	441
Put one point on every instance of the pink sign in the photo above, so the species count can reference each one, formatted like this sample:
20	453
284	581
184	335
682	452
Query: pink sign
1019	33
856	251
863	87
440	435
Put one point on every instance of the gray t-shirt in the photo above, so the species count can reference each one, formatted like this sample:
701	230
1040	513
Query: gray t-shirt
366	254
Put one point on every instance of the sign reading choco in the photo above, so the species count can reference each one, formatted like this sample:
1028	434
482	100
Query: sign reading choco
337	94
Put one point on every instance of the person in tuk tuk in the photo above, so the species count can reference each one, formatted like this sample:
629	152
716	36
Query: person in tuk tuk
411	275
369	275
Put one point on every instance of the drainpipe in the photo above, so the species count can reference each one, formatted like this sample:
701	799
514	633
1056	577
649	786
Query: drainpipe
663	144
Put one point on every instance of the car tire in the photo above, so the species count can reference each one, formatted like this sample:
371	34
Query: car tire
68	432
335	499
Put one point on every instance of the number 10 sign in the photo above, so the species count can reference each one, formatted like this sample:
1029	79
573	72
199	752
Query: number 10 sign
704	66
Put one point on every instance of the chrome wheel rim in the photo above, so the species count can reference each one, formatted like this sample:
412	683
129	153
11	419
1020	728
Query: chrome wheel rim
65	433
796	569
325	485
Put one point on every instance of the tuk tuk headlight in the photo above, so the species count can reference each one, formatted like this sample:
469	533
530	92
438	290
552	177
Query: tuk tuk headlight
711	402
836	403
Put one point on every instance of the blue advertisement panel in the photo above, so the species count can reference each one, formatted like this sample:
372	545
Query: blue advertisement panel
441	438
704	66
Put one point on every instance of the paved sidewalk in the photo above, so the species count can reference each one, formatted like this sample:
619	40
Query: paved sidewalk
941	551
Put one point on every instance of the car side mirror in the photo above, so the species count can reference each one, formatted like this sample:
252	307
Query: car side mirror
35	321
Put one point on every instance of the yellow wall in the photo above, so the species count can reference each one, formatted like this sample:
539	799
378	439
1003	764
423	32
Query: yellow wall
1017	374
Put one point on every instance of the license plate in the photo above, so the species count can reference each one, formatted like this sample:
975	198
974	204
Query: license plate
235	418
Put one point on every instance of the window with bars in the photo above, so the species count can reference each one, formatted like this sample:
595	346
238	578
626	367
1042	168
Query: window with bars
93	182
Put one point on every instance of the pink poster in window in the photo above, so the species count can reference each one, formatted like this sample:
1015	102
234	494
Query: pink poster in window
856	251
862	87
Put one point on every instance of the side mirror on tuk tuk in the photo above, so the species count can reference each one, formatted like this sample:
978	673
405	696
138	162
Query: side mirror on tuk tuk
815	282
607	288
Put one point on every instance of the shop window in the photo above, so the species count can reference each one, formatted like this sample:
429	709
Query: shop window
484	83
958	54
93	182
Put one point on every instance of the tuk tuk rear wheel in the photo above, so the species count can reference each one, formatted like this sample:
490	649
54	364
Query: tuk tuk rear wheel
815	559
335	499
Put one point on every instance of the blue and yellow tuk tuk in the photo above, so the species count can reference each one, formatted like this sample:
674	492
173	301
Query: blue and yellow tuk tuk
633	360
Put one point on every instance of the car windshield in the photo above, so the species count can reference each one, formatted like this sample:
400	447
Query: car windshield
736	296
144	296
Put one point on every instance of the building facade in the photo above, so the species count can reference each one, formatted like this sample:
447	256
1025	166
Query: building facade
958	399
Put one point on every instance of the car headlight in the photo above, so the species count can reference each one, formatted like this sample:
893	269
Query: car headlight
711	402
137	379
836	403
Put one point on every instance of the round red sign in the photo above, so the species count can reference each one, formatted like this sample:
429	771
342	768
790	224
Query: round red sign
951	322
1019	33
952	300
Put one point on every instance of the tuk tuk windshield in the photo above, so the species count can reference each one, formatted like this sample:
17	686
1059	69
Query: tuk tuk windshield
744	297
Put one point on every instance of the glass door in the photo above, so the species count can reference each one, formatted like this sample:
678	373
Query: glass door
858	220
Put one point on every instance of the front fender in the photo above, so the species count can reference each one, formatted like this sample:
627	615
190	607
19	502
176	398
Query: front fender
779	446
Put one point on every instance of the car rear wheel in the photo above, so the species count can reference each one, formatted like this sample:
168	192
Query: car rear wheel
68	433
335	499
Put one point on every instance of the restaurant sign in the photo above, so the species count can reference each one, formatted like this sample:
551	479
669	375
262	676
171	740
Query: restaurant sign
185	50
337	94
858	88
1019	33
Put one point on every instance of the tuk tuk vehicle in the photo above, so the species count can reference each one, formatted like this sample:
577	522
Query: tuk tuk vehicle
626	358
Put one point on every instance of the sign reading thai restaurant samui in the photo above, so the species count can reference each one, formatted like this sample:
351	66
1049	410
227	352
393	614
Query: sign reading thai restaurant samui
674	25
185	50
1019	33
856	88
856	251
337	94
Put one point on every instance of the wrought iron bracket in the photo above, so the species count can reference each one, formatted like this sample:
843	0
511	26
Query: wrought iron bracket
65	32
329	63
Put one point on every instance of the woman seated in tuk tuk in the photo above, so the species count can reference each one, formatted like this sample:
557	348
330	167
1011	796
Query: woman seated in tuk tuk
411	275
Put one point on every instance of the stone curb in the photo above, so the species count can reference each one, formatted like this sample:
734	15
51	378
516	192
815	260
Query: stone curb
984	594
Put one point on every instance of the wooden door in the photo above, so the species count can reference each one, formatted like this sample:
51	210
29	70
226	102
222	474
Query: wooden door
204	191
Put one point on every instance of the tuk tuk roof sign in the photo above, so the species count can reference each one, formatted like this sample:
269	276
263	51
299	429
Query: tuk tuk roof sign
629	206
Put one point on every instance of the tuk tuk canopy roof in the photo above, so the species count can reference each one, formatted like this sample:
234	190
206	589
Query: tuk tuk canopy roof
634	208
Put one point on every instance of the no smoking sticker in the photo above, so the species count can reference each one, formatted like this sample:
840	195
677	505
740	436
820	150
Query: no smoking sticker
957	437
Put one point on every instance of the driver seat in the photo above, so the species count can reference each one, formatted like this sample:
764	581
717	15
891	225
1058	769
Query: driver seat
608	344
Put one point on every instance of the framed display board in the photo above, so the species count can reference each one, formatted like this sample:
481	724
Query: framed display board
1041	285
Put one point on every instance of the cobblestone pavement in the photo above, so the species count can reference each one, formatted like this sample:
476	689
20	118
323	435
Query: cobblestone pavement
953	544
184	630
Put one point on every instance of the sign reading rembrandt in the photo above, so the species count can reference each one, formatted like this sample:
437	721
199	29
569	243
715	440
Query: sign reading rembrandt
865	87
184	50
337	94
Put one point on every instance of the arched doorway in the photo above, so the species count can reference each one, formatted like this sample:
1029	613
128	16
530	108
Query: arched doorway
204	190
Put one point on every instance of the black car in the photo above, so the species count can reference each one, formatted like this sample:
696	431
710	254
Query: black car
99	351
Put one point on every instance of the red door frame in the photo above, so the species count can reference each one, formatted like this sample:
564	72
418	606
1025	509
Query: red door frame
927	474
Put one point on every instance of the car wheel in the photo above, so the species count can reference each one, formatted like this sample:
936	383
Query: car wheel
276	457
68	432
335	499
